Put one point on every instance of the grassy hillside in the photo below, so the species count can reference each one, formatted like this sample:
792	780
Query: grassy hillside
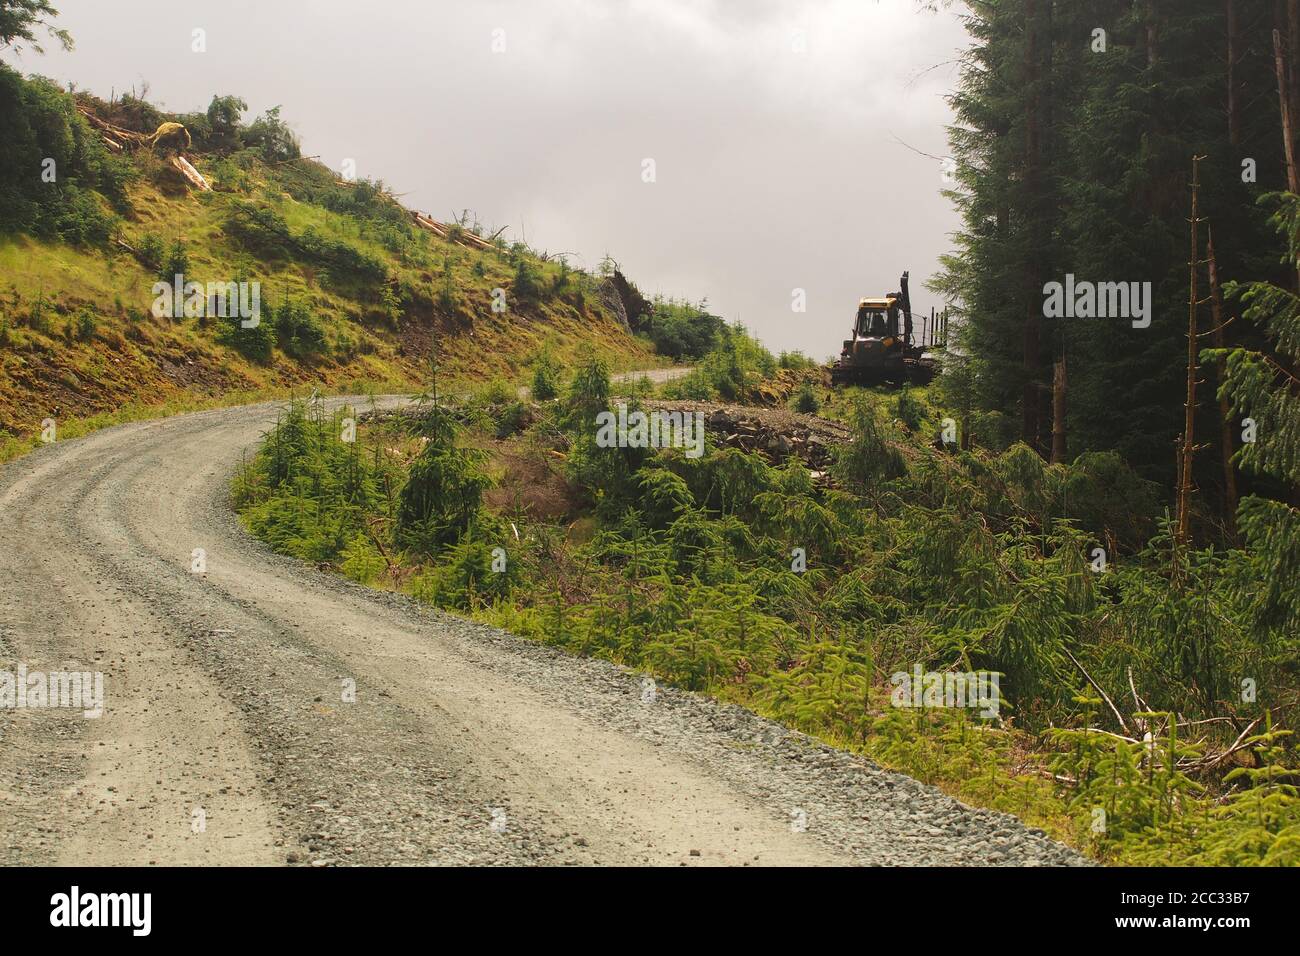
354	292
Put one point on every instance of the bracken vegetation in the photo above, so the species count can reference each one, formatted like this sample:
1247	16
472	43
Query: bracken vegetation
1122	684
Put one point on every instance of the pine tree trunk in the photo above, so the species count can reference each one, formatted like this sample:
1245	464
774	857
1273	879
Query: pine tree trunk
1234	101
1225	409
1288	136
1152	34
1033	281
1058	412
1188	445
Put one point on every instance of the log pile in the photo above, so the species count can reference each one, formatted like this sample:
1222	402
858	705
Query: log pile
120	140
115	138
460	235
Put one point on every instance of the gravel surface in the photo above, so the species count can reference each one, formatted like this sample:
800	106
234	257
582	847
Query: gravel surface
225	706
656	375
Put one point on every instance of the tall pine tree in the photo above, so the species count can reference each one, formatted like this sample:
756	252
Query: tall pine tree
1075	124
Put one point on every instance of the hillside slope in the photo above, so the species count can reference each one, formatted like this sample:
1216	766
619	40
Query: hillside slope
353	289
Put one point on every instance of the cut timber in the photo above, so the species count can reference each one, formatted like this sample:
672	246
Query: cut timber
443	231
429	224
114	135
191	174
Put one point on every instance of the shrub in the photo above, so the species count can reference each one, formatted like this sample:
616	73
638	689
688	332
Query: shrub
546	377
256	343
273	137
78	218
562	276
177	264
682	330
795	361
806	400
150	250
443	492
694	386
497	391
362	562
342	259
466	577
909	411
869	458
447	288
588	395
527	286
37	319
86	325
264	231
511	419
298	332
223	118
729	370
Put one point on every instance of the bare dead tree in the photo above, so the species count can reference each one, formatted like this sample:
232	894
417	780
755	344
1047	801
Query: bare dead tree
1225	428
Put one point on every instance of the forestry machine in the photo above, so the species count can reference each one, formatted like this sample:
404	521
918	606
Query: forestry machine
878	351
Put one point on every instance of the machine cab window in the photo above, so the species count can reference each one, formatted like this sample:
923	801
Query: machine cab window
877	318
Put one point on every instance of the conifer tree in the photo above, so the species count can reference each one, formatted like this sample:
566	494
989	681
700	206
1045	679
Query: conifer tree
1073	124
1265	393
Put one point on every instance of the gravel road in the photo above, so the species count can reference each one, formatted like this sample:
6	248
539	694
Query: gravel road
227	738
656	375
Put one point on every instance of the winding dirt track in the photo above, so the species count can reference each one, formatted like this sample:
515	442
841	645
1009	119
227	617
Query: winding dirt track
224	703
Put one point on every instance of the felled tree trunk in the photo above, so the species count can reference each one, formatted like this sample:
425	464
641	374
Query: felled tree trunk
192	175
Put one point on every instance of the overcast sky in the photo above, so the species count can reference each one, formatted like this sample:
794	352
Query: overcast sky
772	126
